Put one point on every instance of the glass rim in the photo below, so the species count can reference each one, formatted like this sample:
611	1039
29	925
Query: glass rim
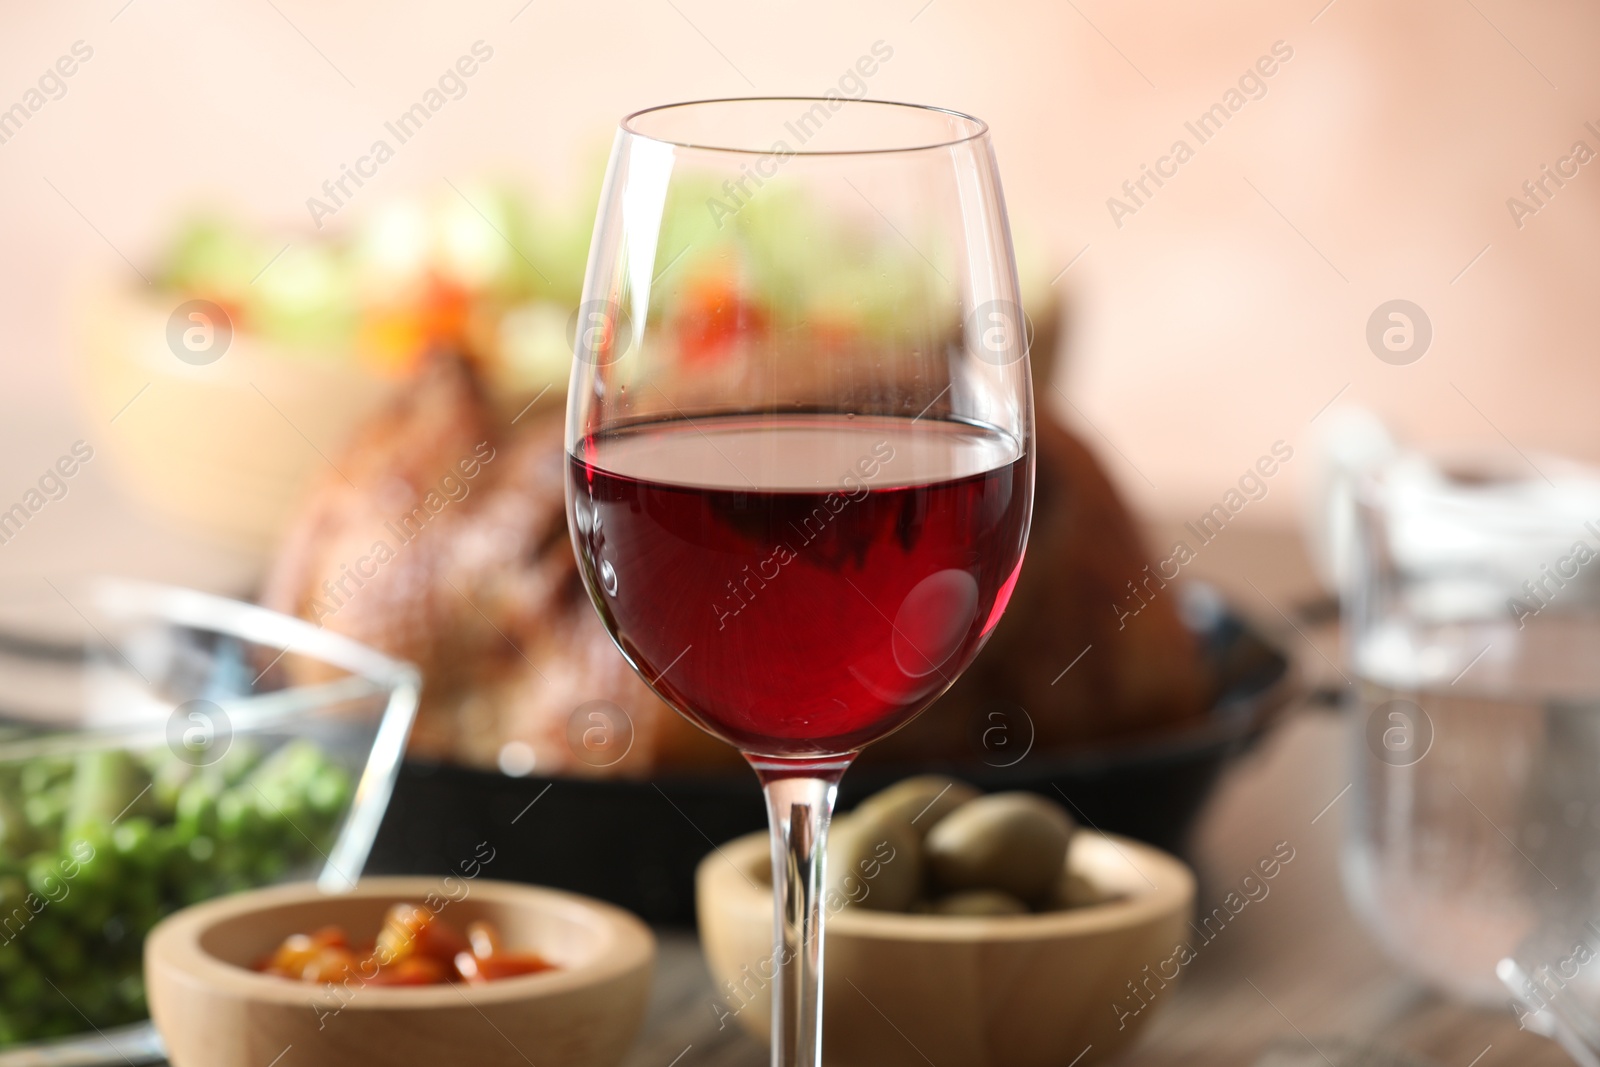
978	130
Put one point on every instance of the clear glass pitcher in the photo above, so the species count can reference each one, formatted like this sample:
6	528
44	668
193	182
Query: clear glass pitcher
1472	630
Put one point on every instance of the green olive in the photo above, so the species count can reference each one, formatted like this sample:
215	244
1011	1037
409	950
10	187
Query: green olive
1014	842
978	903
921	801
873	862
1078	890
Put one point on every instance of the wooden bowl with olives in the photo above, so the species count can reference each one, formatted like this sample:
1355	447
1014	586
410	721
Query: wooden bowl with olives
979	930
235	982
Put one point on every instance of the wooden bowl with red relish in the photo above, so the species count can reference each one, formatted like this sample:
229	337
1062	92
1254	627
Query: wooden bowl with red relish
215	1008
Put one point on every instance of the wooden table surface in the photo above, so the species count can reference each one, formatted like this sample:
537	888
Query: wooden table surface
1295	974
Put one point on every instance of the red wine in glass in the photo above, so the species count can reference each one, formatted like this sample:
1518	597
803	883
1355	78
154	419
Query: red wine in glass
800	585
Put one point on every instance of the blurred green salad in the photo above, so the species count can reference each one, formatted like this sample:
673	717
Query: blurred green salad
486	273
96	849
489	272
482	271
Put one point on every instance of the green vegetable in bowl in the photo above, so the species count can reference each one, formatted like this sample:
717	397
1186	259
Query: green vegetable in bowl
94	851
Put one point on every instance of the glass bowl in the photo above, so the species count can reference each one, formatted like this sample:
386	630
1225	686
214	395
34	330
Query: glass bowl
159	747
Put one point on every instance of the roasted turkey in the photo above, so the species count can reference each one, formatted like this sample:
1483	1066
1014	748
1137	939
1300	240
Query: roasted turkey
440	537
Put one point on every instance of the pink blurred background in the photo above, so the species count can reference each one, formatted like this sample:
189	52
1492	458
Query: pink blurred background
1222	316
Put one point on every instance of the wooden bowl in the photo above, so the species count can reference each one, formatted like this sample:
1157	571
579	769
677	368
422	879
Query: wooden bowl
1021	991
213	1011
216	448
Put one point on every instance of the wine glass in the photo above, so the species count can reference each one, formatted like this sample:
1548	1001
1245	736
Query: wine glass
800	443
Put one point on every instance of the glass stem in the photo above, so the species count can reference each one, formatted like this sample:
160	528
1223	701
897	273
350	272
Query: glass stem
800	798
